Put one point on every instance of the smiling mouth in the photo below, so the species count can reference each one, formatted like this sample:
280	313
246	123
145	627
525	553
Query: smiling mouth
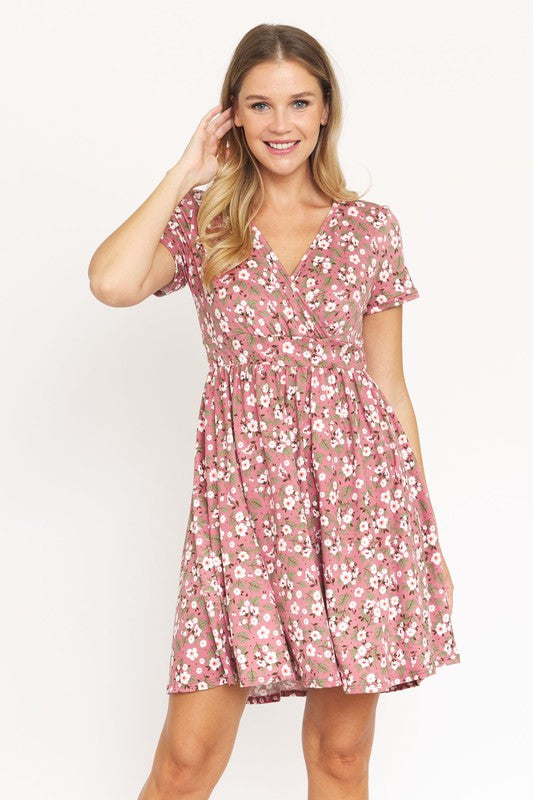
282	147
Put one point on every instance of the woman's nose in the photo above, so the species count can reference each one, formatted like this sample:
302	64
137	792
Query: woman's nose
280	122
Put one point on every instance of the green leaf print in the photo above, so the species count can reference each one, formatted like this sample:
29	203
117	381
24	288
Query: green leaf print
254	503
343	600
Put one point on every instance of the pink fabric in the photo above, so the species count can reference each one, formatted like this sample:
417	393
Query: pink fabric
311	555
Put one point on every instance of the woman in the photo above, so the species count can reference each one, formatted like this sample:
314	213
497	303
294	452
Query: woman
311	564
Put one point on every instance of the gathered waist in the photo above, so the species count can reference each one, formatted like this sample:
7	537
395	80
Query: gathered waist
280	351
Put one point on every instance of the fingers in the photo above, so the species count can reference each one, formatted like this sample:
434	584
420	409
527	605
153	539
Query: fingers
211	113
222	119
223	128
215	115
215	124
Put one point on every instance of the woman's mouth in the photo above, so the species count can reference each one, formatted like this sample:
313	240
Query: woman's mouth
282	148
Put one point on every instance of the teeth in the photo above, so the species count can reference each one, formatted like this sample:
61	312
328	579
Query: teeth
284	146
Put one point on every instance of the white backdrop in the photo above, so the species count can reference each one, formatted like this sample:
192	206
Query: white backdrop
99	404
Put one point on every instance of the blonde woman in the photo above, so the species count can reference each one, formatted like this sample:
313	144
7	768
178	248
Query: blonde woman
311	564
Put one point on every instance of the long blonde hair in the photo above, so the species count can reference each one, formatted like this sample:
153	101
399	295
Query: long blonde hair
238	180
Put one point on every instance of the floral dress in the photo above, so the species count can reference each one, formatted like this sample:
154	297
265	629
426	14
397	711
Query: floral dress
311	556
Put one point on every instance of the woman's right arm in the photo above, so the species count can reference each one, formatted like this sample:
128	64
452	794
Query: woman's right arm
131	264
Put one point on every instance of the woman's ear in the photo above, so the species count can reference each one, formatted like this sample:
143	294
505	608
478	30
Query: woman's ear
325	114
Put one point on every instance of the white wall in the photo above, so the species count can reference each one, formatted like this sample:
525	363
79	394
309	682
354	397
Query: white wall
99	404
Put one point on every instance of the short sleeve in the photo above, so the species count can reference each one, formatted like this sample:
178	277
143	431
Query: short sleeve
179	237
391	284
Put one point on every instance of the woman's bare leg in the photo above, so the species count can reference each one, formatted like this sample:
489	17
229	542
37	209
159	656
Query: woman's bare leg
337	736
195	743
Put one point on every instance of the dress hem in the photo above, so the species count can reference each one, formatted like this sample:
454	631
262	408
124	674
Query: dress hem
410	681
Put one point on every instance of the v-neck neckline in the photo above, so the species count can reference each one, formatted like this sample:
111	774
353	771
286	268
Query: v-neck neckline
281	267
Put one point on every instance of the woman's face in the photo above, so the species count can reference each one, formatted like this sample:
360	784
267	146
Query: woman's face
280	103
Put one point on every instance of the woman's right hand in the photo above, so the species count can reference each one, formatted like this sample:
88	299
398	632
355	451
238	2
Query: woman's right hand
199	159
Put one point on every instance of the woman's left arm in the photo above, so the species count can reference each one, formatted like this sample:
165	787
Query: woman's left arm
382	335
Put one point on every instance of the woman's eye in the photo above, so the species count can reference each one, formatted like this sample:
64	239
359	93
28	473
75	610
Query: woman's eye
305	102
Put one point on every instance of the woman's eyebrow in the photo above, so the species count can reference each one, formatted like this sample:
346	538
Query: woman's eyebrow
293	96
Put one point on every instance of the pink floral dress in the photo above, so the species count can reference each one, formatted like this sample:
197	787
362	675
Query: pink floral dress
311	556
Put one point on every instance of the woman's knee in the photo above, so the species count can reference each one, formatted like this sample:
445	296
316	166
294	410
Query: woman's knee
345	762
197	739
187	767
337	733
